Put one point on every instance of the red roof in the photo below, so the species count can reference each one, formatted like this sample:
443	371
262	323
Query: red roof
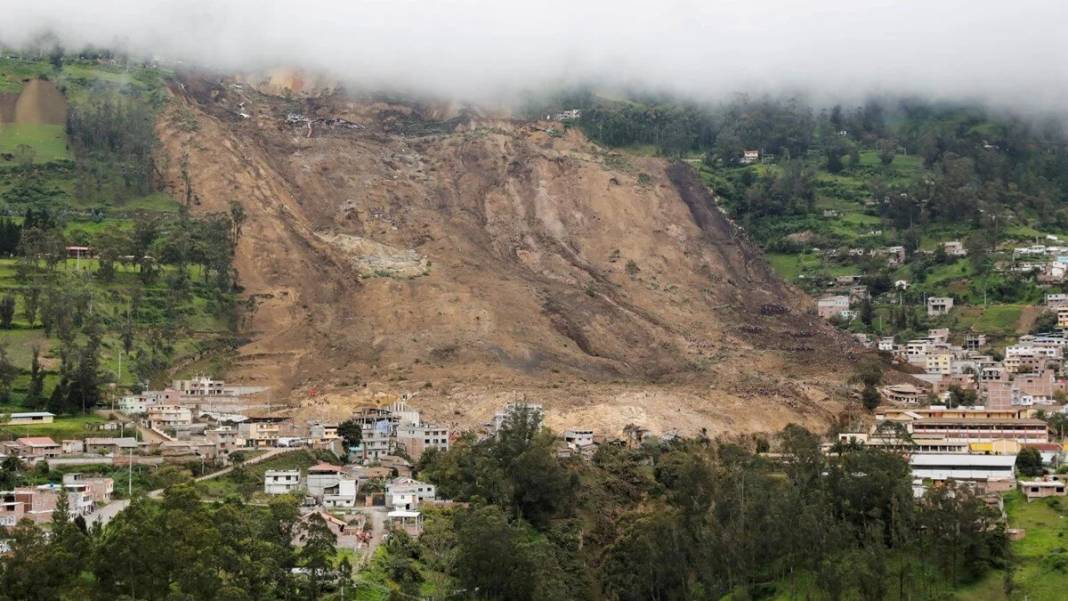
36	441
325	467
1043	446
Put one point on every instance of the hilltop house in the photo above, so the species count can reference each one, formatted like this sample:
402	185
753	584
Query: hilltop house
939	305
955	248
749	157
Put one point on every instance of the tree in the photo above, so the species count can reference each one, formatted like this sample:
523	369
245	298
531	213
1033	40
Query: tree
7	311
887	150
1029	462
959	396
870	397
8	373
834	159
1045	322
351	433
35	390
867	311
31	302
317	553
237	221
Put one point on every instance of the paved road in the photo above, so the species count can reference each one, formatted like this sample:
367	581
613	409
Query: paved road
108	512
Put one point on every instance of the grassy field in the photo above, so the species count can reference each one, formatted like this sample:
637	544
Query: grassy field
49	142
64	428
1040	559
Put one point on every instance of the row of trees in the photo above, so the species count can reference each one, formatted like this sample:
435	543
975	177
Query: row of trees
112	140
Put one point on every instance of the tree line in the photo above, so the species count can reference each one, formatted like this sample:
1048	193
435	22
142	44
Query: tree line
697	519
178	549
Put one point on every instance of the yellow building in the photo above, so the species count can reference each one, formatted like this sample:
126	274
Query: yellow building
997	447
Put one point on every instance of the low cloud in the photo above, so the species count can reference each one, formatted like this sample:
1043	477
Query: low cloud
1011	53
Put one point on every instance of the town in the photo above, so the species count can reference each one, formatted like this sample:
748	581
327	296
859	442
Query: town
203	422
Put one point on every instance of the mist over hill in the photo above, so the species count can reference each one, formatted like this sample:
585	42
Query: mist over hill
1007	54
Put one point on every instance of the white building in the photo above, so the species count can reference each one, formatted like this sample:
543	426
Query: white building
962	466
280	482
341	494
407	494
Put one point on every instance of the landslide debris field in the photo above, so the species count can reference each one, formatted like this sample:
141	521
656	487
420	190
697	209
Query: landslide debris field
470	260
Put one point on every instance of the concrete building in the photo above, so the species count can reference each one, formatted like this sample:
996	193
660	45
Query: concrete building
939	363
261	432
162	417
37	448
502	416
200	386
906	394
1039	489
939	305
30	418
831	306
341	494
280	482
955	248
962	466
322	477
407	494
416	438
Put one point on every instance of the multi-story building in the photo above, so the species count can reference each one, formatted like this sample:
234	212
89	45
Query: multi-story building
407	494
261	432
832	306
416	438
939	363
939	305
200	386
280	482
169	416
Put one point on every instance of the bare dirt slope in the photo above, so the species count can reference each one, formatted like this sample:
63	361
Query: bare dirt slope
468	260
40	102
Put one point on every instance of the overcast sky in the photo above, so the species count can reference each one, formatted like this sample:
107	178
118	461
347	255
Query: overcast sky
1014	52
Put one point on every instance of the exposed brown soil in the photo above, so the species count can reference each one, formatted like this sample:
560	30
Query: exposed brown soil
40	102
608	287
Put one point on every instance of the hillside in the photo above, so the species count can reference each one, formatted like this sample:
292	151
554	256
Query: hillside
394	249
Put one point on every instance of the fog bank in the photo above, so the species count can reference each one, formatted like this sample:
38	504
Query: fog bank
1011	53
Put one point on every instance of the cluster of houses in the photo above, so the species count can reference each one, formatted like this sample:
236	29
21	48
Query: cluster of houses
1027	375
37	503
1049	263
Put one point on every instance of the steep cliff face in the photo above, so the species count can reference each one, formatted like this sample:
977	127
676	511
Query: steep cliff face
397	249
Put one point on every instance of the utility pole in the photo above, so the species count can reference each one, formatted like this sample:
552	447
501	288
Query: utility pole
129	481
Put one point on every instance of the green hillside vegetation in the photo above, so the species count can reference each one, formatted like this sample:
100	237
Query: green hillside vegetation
154	290
892	172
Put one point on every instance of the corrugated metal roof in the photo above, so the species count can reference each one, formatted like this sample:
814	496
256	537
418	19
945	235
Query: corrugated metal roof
961	459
